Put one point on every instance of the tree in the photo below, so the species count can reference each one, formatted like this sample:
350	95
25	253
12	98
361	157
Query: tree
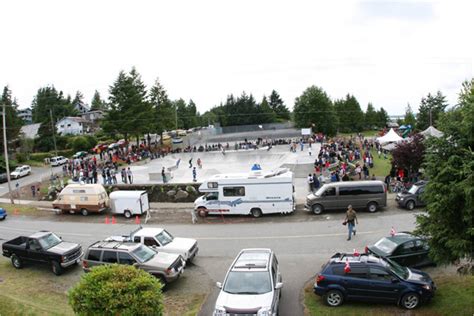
371	119
111	290
409	118
314	109
450	168
265	113
97	103
278	107
163	108
12	122
49	99
130	113
432	105
409	155
349	114
78	102
382	117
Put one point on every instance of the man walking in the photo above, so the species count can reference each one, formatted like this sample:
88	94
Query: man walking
129	175
351	220
310	183
194	174
163	174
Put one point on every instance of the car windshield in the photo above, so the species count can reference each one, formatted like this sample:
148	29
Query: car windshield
49	241
413	189
17	169
386	245
143	253
164	238
401	272
248	282
320	191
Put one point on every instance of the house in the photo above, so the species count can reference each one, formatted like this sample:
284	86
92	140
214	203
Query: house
72	126
81	108
30	131
26	115
93	116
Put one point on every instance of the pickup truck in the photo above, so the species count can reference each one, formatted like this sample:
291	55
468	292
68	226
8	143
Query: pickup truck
42	247
159	239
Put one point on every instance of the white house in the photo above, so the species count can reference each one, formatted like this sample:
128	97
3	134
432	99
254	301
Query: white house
72	126
93	116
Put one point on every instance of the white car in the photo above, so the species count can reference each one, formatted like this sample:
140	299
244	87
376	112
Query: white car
58	161
252	285
20	172
160	240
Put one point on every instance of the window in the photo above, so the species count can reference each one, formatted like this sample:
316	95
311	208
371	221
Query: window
69	125
94	255
78	191
33	245
109	257
356	272
212	185
125	258
149	241
234	191
136	239
406	248
379	274
84	199
330	192
373	189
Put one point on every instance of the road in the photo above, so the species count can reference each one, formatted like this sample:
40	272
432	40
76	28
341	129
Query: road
301	247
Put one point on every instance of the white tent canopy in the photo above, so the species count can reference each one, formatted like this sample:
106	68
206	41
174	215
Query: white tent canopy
390	137
432	131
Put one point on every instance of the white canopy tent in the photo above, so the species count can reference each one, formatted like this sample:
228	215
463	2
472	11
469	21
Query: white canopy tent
432	131
390	137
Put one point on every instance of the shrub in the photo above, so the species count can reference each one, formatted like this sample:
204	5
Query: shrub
117	290
92	141
79	143
40	156
21	157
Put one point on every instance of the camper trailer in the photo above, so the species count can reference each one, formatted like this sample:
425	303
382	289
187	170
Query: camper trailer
82	198
253	193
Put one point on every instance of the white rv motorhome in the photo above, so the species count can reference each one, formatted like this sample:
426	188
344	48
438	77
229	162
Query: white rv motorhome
253	193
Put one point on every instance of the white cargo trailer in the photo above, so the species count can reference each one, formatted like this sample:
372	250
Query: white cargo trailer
253	193
129	203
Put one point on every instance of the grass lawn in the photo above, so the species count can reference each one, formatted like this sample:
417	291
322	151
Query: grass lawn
455	296
21	209
35	290
382	166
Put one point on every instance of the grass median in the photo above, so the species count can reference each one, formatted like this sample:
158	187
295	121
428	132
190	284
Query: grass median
455	296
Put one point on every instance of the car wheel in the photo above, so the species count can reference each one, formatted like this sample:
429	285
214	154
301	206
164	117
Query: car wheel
410	205
256	212
334	298
317	209
127	214
56	268
372	207
410	300
16	262
2	218
58	211
84	212
202	212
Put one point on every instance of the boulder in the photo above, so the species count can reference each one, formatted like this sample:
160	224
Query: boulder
181	195
171	193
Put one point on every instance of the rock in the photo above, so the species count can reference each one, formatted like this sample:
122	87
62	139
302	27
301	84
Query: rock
181	195
190	189
171	193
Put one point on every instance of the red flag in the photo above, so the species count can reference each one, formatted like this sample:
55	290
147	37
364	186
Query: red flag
356	253
392	231
347	267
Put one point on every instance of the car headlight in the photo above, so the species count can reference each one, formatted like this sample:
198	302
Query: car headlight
220	311
265	311
427	287
401	198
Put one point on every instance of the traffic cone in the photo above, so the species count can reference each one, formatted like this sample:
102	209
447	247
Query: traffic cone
137	220
113	220
107	220
16	212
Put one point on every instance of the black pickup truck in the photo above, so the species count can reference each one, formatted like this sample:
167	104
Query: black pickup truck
42	247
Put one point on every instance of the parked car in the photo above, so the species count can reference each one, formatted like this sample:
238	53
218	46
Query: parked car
42	247
81	198
3	213
404	248
413	197
80	154
21	172
58	161
167	267
252	285
372	279
161	240
338	195
3	177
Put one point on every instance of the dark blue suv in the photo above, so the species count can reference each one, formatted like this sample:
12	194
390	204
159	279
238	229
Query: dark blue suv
368	278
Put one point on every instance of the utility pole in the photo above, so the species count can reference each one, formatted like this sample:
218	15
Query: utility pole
7	166
53	129
176	116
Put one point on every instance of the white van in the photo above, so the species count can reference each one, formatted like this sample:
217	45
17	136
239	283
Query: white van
253	193
58	161
129	203
82	198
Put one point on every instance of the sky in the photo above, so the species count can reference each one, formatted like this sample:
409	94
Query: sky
390	53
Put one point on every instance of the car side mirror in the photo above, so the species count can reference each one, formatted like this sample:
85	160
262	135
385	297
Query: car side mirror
395	280
278	286
219	285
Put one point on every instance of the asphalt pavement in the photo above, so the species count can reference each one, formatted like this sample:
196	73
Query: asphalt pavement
301	246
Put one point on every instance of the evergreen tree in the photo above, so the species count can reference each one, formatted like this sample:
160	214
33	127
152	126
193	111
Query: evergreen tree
436	104
449	164
349	114
409	118
12	122
49	99
382	118
315	109
192	115
265	113
278	106
97	103
78	102
371	117
164	112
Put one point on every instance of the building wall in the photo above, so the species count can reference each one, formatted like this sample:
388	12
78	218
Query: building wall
69	127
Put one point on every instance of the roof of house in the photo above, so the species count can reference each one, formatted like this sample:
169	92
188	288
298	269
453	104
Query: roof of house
73	118
31	130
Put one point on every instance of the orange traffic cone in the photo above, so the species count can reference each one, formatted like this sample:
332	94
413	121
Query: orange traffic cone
107	220
137	220
16	212
113	220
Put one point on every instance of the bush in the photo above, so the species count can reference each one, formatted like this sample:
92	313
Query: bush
117	290
21	157
41	156
79	143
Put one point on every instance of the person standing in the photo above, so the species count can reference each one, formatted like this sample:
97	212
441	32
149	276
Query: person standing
309	151
310	183
129	175
191	163
351	221
199	163
316	183
194	174
163	174
33	191
123	173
